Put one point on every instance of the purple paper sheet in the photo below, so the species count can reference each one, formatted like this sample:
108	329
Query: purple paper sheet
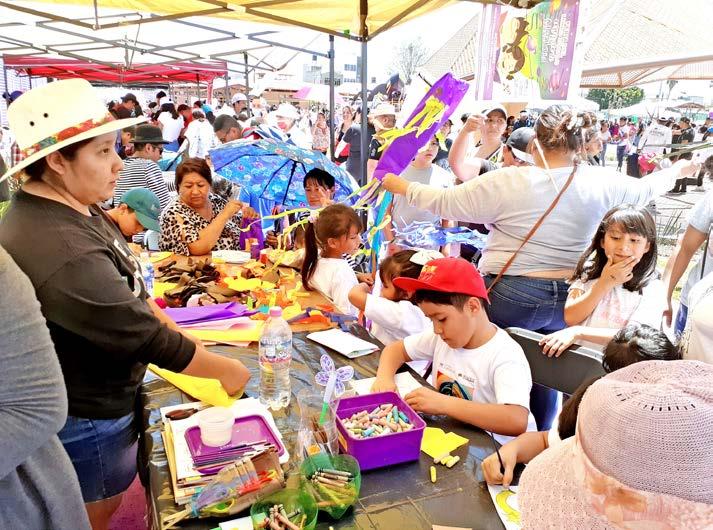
192	315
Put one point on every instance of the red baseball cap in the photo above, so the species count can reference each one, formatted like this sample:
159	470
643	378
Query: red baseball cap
449	275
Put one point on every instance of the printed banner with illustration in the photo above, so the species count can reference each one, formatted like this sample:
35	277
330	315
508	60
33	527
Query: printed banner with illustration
529	54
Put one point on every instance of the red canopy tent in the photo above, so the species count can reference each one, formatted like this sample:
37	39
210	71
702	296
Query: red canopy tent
118	74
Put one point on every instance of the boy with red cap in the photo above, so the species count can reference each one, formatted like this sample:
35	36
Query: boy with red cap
480	374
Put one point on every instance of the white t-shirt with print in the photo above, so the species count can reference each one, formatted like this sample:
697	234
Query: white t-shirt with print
394	321
334	278
620	306
495	373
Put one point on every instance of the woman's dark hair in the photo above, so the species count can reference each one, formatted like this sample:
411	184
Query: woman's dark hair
35	170
334	221
160	94
567	422
632	220
399	265
559	128
193	165
153	105
457	300
322	177
171	108
182	107
638	342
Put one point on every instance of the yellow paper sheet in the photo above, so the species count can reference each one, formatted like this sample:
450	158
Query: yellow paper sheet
230	335
161	287
436	442
243	284
292	311
207	390
159	256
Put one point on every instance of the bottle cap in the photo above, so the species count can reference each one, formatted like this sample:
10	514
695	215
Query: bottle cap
276	311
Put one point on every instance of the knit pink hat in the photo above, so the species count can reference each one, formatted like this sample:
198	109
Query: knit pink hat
641	459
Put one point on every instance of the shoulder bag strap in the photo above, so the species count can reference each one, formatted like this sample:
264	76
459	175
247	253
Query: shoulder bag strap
533	229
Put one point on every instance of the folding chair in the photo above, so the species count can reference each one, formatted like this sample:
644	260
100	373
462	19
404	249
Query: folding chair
564	373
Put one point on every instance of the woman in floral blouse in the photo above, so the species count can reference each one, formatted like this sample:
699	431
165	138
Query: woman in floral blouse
320	134
199	221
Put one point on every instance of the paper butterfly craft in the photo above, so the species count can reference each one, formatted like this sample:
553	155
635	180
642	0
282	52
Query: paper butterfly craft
329	376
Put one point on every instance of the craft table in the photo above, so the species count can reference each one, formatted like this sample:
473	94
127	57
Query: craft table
392	498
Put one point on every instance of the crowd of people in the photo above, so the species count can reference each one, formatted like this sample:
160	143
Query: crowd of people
570	252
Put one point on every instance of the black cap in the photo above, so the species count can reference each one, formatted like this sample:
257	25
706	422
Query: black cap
148	134
518	141
129	97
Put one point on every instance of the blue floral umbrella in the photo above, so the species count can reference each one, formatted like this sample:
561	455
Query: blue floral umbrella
275	170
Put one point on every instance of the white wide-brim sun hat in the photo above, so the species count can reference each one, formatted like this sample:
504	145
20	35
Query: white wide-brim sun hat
638	459
48	118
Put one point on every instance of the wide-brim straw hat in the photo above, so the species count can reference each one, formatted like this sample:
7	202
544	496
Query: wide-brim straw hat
48	118
641	457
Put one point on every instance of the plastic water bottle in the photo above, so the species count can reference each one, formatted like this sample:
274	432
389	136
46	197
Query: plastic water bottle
147	273
275	356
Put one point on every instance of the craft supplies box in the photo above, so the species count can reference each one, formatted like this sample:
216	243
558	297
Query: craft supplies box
379	451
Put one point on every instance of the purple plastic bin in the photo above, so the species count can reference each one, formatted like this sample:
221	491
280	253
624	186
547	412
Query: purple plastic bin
379	451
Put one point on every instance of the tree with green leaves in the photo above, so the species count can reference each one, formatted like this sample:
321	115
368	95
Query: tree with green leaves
616	98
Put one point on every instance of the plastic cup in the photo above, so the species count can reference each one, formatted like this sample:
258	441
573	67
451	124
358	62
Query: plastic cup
335	506
314	437
291	499
216	425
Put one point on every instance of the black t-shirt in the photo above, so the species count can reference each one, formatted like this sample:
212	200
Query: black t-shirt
687	136
374	146
92	294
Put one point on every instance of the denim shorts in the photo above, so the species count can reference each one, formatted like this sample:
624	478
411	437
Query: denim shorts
103	453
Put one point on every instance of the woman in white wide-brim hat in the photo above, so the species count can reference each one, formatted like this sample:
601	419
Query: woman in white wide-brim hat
104	325
640	458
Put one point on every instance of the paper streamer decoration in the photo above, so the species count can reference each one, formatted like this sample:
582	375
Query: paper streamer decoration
422	234
403	143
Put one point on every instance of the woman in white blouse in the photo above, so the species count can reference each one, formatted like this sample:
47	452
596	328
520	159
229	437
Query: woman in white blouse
171	124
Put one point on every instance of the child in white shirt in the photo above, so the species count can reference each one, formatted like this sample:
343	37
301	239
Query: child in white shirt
335	232
632	344
615	282
393	317
480	374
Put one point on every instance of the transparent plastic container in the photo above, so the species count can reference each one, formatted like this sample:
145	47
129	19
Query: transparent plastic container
292	499
216	425
335	506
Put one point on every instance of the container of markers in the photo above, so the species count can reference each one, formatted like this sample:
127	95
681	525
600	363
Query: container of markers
333	480
379	430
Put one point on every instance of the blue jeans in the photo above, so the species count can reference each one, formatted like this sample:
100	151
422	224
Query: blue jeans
681	318
620	152
603	155
537	305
